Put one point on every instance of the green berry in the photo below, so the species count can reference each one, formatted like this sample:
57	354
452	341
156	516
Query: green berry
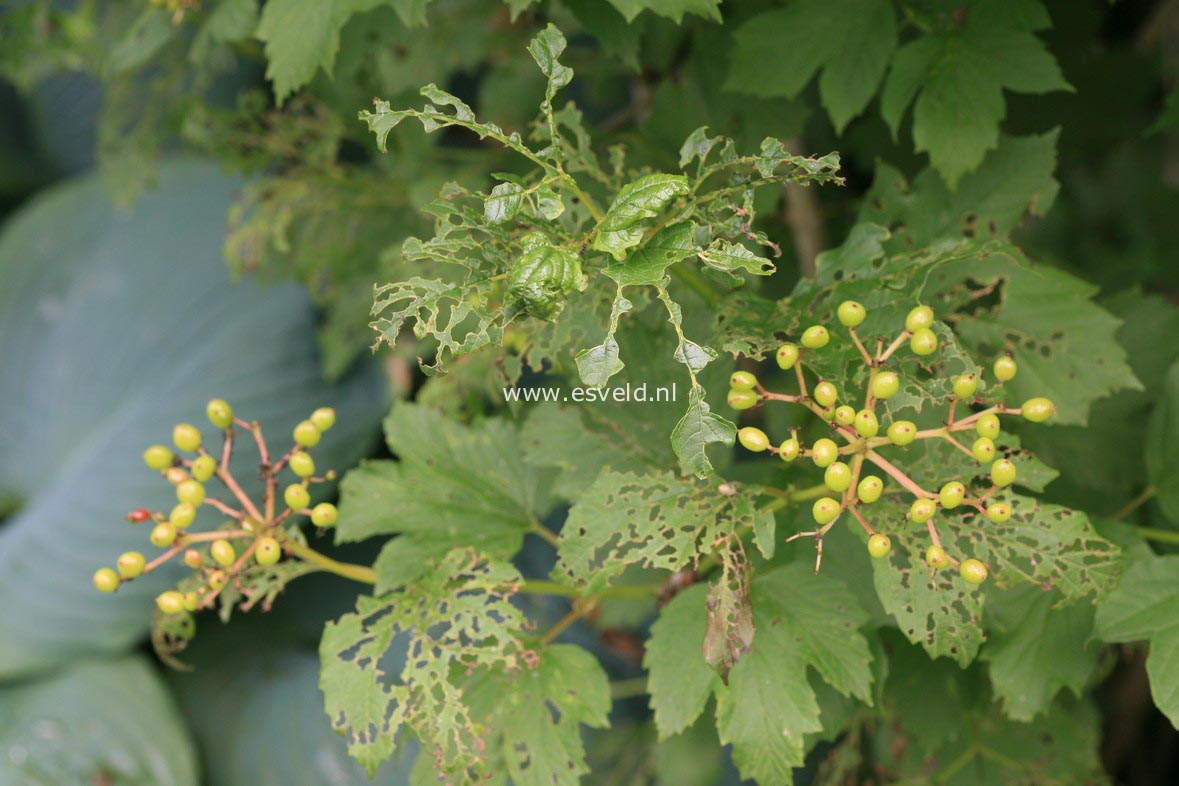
815	337
923	342
175	475
869	489
302	464
825	510
742	380
193	559
190	491
787	356
323	418
922	510
306	434
851	313
162	535
920	318
885	385
789	449
828	414
951	495
999	512
741	399
988	426
130	564
218	580
866	423
879	546
170	602
825	394
182	515
824	452
158	457
1003	473
973	571
186	437
845	415
902	432
1005	368
936	557
965	386
219	412
192	601
106	580
203	468
324	514
223	552
751	438
268	551
1037	410
297	497
983	450
838	477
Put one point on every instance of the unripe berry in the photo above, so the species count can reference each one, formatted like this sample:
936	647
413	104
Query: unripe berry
163	535
170	602
951	495
223	552
138	516
203	467
983	450
922	510
192	601
869	489
866	423
302	464
130	564
879	546
838	477
742	380
193	559
923	342
973	571
186	437
936	557
750	437
965	386
851	313
1037	410
218	580
190	491
824	452
219	412
789	449
1003	473
1005	368
920	318
815	337
306	434
268	551
825	394
999	512
182	515
741	399
845	415
825	510
158	457
323	418
828	414
885	385
297	497
324	514
787	356
175	475
106	580
902	432
988	426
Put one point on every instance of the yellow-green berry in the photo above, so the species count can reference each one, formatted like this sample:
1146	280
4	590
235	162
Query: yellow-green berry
988	425
1037	410
825	394
170	602
1003	473
869	489
936	557
219	412
742	380
186	437
324	514
751	438
838	477
203	468
162	535
323	418
824	452
787	356
920	318
866	423
951	495
130	564
223	552
965	386
106	580
902	432
825	510
851	313
922	510
973	571
923	342
296	496
885	385
302	464
306	434
741	399
190	491
983	450
789	449
879	546
158	457
1005	368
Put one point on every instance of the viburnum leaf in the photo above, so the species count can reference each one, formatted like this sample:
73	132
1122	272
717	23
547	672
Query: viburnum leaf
1162	446
672	9
1145	607
680	682
541	277
503	203
724	255
698	429
637	202
646	266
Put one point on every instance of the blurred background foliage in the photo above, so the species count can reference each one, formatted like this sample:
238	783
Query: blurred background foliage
191	209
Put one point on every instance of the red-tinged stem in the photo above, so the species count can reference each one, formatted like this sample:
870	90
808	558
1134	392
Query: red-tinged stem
863	523
899	476
860	346
950	415
957	444
894	346
801	378
780	397
231	484
221	506
160	560
226	449
857	466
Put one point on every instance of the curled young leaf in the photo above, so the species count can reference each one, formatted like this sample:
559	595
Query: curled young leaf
542	276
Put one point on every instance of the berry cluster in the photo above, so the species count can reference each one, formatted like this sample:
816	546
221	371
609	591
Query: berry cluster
860	432
250	532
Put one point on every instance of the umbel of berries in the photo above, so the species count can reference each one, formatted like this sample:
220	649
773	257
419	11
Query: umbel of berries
862	430
225	536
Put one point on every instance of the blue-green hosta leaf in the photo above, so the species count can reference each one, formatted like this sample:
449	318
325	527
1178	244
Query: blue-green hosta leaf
697	429
637	202
98	721
113	327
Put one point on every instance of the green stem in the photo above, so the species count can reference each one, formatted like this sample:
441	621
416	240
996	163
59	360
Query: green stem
1158	535
1131	506
360	573
628	689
